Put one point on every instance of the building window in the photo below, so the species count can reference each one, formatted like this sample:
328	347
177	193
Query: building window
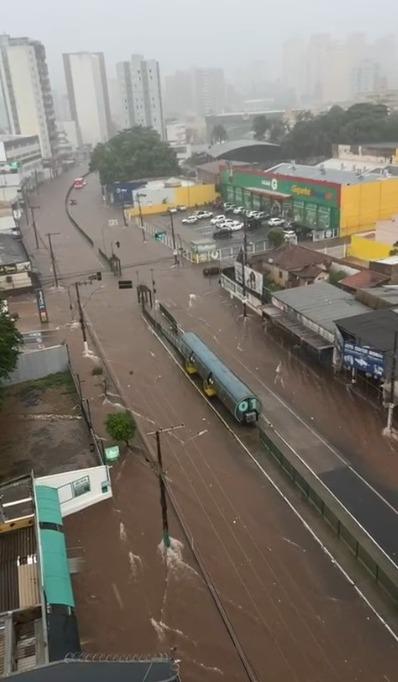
81	486
280	274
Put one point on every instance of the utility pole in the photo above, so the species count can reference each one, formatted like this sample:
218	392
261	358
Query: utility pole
162	485
81	317
49	235
392	380
175	253
32	212
138	196
153	287
244	261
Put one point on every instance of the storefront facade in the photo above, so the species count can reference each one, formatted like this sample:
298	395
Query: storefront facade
313	203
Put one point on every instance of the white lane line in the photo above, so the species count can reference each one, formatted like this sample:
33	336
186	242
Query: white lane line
317	435
279	491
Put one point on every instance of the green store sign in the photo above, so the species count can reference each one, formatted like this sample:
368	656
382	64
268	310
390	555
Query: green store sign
299	190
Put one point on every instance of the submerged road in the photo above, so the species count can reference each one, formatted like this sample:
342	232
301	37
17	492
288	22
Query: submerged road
296	615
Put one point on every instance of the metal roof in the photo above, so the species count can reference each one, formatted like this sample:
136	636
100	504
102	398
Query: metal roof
56	577
339	177
217	150
375	329
321	303
12	250
149	670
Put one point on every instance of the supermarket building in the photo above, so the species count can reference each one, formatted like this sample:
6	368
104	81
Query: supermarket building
333	203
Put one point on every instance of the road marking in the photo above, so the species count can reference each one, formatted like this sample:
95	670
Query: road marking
279	491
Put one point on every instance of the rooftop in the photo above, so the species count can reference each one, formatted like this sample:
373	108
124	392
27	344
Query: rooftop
375	329
150	670
382	297
323	174
363	279
12	250
290	258
321	303
217	150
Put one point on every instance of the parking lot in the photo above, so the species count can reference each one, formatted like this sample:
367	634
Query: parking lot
203	229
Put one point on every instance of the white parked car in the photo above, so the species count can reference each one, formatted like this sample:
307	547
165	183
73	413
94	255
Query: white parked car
173	209
218	219
238	210
228	207
181	208
190	220
204	214
276	222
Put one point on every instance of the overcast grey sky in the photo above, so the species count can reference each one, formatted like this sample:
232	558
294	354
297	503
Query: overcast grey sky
180	33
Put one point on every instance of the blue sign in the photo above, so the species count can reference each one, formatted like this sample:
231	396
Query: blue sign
123	192
363	359
41	305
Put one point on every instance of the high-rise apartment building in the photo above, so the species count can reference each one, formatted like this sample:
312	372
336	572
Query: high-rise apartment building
140	92
199	91
87	88
209	91
26	102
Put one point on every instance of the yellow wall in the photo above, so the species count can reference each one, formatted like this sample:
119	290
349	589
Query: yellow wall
154	209
364	204
368	249
191	195
195	195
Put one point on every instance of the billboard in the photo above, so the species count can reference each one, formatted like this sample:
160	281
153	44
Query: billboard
364	360
41	305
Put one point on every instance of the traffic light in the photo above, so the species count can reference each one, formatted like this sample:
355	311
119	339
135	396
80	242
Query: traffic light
125	284
99	276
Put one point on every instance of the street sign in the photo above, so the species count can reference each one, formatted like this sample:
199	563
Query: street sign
159	236
125	284
113	222
112	454
41	306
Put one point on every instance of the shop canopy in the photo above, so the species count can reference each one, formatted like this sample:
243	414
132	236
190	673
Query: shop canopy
269	193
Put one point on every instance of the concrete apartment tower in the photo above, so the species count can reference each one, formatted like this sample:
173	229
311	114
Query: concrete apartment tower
141	95
87	89
26	101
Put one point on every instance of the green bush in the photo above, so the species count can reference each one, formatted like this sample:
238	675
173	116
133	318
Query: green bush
121	426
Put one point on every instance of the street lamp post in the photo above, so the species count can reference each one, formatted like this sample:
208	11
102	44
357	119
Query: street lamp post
175	253
123	192
138	197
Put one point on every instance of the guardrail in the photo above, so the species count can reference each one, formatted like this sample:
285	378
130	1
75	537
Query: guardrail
223	253
71	218
363	547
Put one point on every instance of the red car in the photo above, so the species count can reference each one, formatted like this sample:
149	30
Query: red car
79	183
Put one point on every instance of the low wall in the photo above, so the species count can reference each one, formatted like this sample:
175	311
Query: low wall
36	364
368	249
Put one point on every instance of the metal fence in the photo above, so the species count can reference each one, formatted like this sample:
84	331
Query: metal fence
224	253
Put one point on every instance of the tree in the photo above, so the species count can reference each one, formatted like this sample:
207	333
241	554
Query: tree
260	126
313	136
219	134
276	237
277	131
10	342
133	154
336	276
121	426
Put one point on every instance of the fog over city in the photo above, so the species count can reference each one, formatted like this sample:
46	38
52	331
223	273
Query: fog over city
179	33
